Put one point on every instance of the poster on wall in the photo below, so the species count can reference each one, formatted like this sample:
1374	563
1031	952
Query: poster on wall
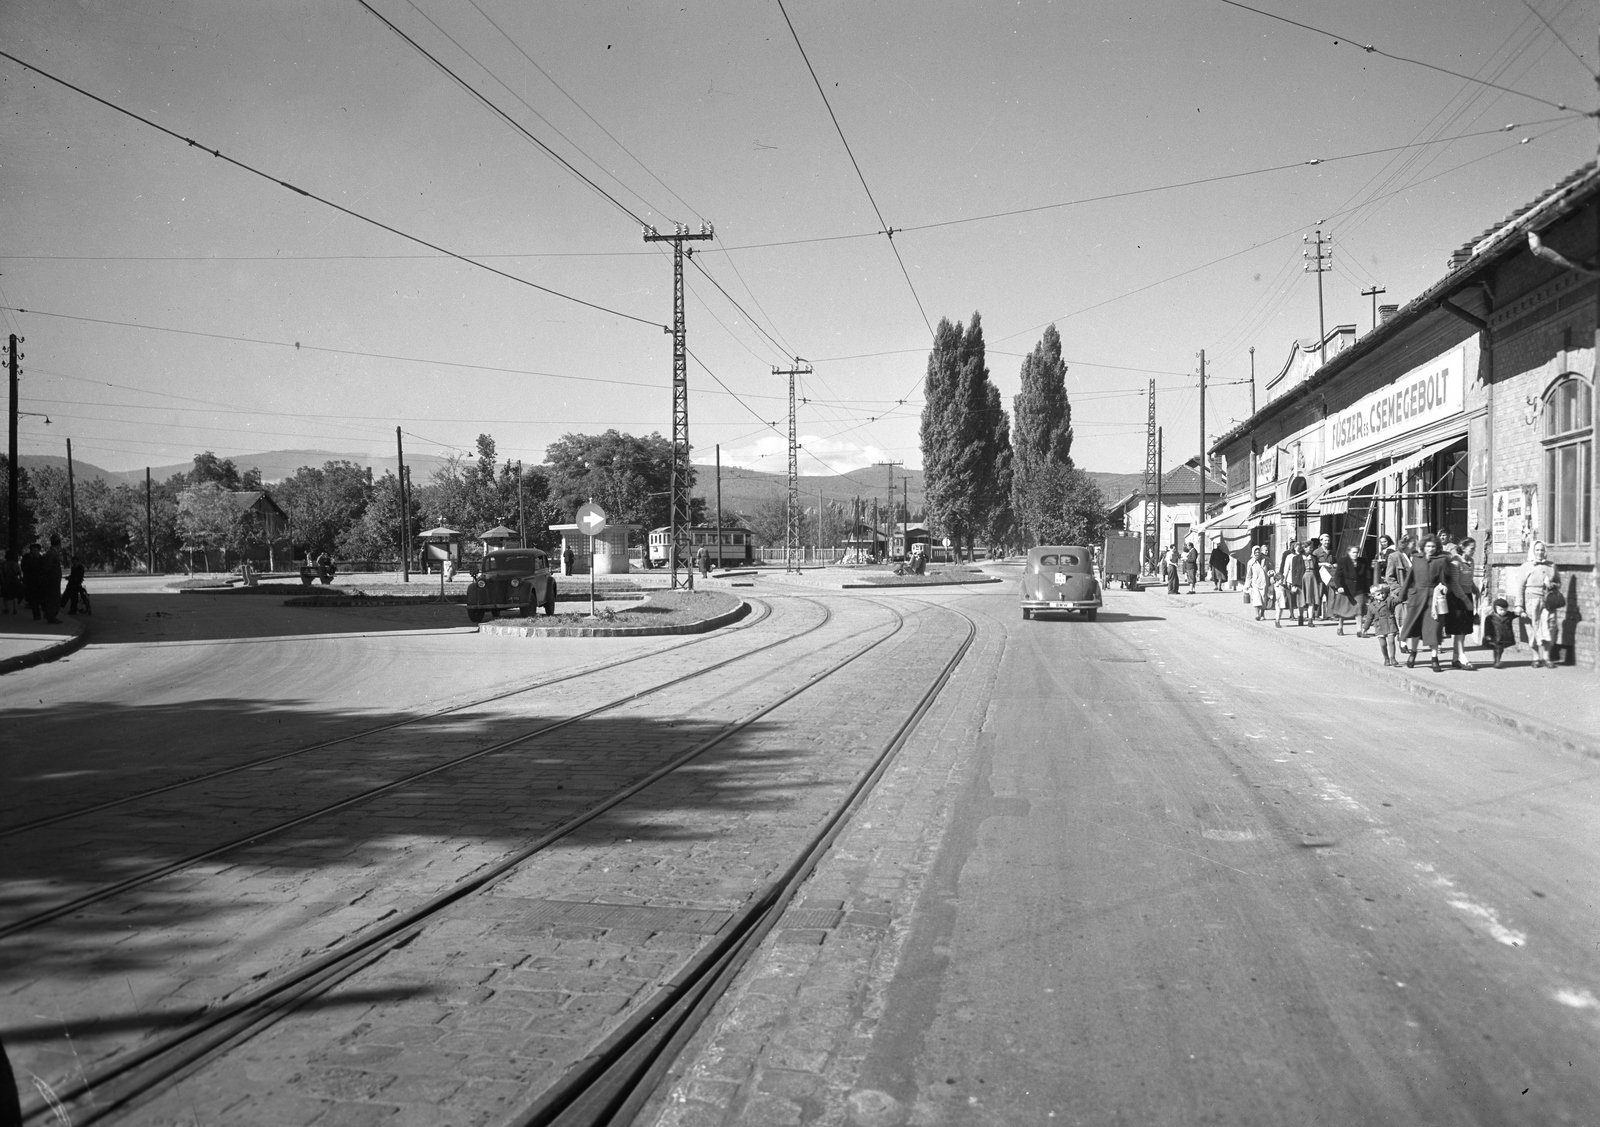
1513	519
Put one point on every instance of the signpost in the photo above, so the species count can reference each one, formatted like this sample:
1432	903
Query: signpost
592	519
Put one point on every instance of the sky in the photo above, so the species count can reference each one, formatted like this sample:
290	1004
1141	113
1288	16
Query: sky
177	302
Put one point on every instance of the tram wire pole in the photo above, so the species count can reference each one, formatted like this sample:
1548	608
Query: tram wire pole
12	532
791	524
149	534
405	507
72	503
719	506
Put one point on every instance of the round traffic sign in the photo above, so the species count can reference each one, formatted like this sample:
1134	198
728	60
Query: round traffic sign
947	541
591	518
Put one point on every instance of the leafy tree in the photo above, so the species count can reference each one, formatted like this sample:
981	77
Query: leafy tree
377	535
1043	433
324	504
222	471
1000	530
1070	508
25	520
959	433
630	476
208	520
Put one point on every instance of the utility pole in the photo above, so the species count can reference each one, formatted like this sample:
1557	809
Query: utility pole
819	524
72	503
1373	294
149	533
889	503
522	513
12	532
719	506
1252	381
405	485
1152	484
1319	263
682	503
405	507
791	526
1200	517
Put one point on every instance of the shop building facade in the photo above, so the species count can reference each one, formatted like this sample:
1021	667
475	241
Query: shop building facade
1470	410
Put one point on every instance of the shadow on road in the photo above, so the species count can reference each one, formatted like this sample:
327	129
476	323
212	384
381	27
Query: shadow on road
124	618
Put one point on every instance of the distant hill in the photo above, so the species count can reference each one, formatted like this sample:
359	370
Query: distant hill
275	465
745	490
1115	486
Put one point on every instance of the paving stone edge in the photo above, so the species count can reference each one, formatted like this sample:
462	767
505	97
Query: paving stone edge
703	626
1562	738
53	652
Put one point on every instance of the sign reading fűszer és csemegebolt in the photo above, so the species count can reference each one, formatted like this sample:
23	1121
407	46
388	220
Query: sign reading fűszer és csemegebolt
1419	398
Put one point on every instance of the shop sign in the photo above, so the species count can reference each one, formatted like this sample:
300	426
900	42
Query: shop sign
1419	398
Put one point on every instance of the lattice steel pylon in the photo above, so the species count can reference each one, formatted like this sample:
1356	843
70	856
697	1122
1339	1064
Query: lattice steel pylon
791	530
1152	471
682	508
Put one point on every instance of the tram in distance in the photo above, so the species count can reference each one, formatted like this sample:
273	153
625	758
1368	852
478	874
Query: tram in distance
736	549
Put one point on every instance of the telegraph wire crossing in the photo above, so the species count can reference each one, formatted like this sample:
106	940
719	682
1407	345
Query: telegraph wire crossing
237	163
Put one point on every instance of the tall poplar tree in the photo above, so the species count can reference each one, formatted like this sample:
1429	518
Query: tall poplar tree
960	448
1042	443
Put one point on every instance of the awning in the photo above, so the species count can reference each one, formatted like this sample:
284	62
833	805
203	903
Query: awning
1239	516
1399	465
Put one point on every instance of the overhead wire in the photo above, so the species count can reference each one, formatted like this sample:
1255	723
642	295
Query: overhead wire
351	212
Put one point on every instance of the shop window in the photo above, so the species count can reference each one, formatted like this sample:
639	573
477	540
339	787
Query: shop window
1568	434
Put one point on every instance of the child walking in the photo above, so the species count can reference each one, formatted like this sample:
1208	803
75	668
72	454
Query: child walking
1381	607
1500	630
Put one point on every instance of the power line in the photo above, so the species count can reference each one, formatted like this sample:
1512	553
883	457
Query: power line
507	118
323	199
888	231
1371	50
1528	4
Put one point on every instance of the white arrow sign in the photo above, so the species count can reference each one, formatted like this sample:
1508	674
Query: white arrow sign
591	518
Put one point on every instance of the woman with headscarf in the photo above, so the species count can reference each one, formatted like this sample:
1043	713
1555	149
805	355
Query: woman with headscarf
1432	594
1347	594
1530	596
1256	580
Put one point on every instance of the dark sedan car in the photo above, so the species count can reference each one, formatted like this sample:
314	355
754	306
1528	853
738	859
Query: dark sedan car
512	579
1059	578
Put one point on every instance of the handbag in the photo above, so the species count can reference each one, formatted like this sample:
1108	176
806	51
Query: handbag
1554	599
1441	601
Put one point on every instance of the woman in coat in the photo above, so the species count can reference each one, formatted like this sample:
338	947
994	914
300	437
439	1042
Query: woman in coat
1311	586
1291	577
1256	580
1347	596
1423	625
1191	566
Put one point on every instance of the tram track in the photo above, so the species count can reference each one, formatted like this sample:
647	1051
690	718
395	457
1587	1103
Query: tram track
412	721
148	876
139	1073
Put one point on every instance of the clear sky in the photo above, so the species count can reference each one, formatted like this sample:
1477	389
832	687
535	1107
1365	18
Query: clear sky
690	112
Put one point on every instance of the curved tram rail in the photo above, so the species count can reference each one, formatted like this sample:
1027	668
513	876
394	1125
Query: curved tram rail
614	1076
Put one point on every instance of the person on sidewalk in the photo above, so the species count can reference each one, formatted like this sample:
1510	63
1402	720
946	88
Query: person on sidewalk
1464	617
10	583
1171	563
50	581
1311	586
75	592
1219	565
1347	596
33	580
1191	566
1381	605
1500	630
1323	561
1530	589
1291	576
1258	580
1380	562
1400	560
566	560
1430	601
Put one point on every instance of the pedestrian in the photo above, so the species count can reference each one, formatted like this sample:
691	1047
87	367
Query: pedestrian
1219	561
1500	629
50	581
1400	560
1381	605
1257	581
1347	596
1380	562
1432	596
1311	585
1531	591
75	592
32	580
566	560
1171	564
1289	585
703	559
1323	559
10	583
1191	566
1464	617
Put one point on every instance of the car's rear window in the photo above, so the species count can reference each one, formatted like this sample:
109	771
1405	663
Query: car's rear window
1047	561
1069	560
515	563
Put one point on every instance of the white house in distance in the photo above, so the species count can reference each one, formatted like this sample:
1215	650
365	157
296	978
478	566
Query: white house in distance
1180	508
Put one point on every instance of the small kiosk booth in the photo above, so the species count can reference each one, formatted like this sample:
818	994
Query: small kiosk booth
500	537
441	549
610	548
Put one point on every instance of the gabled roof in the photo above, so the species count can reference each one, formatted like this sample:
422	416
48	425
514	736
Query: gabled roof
248	500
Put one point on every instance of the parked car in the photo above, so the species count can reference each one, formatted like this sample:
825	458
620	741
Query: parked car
512	579
1059	578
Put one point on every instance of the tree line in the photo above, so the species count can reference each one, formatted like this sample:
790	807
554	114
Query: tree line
989	482
341	508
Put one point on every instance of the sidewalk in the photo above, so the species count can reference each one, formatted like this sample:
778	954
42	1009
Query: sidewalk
24	642
1557	706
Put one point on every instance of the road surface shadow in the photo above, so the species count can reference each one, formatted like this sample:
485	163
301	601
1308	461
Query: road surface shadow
128	618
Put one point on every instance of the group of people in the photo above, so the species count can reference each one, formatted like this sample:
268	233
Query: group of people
1419	592
34	580
1183	566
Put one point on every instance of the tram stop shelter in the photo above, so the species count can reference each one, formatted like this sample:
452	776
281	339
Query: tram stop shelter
439	545
499	537
610	548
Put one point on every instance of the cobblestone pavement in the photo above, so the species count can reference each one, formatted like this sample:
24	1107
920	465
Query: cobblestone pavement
668	867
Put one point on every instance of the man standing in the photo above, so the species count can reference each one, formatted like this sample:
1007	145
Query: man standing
50	581
33	579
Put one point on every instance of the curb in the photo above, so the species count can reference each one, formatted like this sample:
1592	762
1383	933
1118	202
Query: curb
431	600
934	583
704	626
47	653
1561	738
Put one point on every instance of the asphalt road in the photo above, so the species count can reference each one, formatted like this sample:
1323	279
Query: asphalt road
1196	876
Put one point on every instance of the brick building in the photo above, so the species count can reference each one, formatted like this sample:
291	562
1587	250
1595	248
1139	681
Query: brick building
1470	409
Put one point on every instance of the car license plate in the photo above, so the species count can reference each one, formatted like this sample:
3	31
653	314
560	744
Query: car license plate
1061	606
1061	580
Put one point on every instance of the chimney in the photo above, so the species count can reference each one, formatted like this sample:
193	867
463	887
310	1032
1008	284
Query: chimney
1385	312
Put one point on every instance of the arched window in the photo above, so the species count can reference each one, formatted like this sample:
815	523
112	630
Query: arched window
1568	435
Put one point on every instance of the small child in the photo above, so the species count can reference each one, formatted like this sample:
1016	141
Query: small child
1500	629
1381	605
